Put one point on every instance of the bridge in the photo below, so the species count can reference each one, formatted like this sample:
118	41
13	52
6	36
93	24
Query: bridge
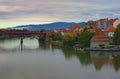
41	34
25	33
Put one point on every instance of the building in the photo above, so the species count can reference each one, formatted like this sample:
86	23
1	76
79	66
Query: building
74	29
112	21
116	23
102	23
99	39
109	31
90	24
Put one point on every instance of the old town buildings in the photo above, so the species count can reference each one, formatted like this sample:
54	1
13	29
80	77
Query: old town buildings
103	30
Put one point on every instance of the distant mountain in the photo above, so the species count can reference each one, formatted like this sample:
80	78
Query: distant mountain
51	26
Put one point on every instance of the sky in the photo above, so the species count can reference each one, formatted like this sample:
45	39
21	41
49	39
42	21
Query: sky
21	12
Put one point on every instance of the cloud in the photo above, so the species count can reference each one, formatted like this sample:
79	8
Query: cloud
58	10
5	8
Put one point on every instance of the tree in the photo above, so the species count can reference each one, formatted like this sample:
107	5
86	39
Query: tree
84	38
56	36
116	37
68	40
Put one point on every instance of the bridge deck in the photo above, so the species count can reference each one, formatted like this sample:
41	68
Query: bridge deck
23	33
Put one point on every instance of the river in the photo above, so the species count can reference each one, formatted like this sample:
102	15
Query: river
33	60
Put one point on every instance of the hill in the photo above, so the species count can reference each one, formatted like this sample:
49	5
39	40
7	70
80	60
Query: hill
51	26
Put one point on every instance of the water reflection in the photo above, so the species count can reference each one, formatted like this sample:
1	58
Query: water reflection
9	44
84	58
116	61
19	44
68	53
98	59
44	45
44	60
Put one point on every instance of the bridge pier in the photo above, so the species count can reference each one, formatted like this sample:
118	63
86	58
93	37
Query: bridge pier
43	37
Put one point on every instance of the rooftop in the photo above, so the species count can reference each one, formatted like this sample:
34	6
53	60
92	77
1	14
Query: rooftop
110	28
99	36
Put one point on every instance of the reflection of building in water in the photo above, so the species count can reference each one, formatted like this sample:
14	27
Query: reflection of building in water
99	63
100	59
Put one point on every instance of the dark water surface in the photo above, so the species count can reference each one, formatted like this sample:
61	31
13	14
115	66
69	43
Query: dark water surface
33	60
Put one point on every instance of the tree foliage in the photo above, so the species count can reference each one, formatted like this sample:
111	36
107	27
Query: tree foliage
84	38
116	37
56	36
68	39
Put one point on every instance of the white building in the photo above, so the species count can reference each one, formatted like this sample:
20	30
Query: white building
116	23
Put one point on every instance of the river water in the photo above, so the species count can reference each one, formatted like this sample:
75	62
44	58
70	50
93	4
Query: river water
32	60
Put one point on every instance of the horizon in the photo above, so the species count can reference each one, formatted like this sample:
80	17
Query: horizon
4	25
22	12
14	24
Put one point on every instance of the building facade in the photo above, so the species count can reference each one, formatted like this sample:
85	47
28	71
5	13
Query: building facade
99	39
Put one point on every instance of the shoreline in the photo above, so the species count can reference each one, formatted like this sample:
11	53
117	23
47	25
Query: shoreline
103	49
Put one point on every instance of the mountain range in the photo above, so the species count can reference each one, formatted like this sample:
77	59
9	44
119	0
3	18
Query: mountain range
50	26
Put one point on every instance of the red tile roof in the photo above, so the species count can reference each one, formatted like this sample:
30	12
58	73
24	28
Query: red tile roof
99	36
74	27
110	28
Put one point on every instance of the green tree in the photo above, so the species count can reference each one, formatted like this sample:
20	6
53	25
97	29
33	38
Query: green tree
84	38
56	36
116	37
68	39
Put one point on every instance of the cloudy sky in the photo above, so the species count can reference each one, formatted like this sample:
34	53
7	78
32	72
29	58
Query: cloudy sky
20	12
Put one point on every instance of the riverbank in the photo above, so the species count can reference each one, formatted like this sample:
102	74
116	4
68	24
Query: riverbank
103	49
